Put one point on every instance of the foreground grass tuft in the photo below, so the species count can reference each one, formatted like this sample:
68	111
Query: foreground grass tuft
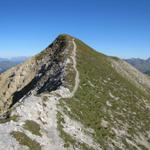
23	139
33	127
13	118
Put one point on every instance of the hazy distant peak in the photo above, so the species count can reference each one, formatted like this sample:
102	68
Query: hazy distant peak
141	64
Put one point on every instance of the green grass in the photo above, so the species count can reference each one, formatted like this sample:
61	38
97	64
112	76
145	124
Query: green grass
64	37
33	127
13	118
45	98
89	103
23	139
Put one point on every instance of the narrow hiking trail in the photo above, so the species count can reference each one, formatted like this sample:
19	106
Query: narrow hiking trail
53	132
77	80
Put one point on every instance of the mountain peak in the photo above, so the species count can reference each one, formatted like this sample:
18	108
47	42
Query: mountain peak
43	72
72	97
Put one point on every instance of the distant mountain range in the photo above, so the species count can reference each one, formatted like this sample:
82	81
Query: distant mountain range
140	64
14	59
6	63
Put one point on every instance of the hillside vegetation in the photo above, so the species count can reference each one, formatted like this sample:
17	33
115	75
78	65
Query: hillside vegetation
116	109
71	97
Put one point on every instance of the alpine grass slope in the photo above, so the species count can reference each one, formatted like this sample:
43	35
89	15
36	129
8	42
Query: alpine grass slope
72	97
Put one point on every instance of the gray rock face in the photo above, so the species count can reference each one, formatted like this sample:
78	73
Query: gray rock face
44	72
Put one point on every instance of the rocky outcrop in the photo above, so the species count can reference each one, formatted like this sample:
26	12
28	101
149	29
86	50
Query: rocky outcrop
34	101
44	72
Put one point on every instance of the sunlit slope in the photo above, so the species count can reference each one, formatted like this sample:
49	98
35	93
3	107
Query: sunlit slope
109	102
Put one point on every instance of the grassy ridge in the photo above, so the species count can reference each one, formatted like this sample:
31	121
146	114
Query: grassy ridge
23	139
104	94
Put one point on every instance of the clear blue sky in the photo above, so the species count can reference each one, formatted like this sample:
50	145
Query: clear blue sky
114	27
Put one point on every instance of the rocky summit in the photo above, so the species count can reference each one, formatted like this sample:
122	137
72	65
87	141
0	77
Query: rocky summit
71	97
